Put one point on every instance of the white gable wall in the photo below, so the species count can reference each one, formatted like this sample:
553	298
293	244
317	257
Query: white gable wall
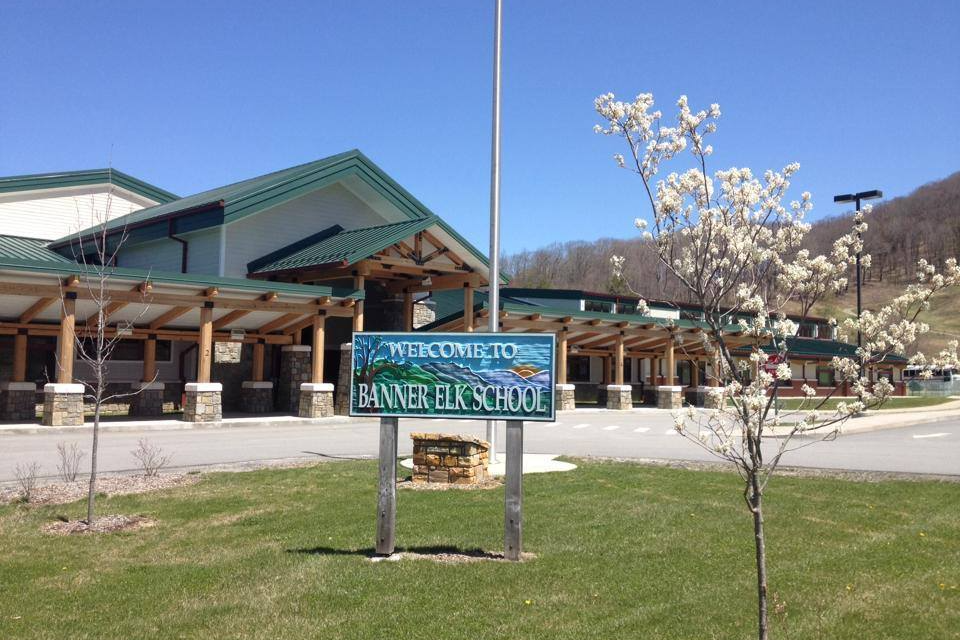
54	213
267	231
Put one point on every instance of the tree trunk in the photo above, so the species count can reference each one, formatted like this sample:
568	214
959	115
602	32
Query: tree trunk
92	491
756	507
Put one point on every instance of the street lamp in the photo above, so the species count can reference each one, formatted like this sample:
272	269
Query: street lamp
856	198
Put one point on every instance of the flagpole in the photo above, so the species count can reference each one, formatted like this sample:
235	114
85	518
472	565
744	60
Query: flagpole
494	274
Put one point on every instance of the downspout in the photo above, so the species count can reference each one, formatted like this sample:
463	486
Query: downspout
184	246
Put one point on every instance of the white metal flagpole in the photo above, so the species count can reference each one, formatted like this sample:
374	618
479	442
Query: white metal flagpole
494	273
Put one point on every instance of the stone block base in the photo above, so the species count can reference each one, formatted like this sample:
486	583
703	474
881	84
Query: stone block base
316	400
564	397
18	401
148	401
256	397
449	458
203	402
669	397
619	396
344	379
712	400
62	405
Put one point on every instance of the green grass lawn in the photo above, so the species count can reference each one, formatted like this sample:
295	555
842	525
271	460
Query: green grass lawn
899	402
623	551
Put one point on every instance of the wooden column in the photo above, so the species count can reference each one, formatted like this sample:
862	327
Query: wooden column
358	283
387	493
257	372
150	359
714	380
468	307
654	371
319	322
606	369
695	372
562	357
65	343
670	376
205	351
618	362
407	311
20	356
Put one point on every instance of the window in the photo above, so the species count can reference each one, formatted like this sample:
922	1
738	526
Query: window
807	330
627	370
596	305
578	369
825	377
885	374
626	307
132	350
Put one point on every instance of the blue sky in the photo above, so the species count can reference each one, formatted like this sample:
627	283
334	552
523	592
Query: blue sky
193	95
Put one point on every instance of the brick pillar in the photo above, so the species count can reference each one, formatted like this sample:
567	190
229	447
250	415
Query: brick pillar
256	396
62	404
296	367
565	397
619	397
316	400
342	406
18	401
148	401
203	402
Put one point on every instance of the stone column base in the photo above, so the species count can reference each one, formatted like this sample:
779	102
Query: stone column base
619	396
18	401
149	399
257	396
669	397
344	379
564	397
62	405
203	402
713	397
316	400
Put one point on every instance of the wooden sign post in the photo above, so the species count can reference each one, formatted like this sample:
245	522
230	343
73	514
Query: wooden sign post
461	376
513	500
387	495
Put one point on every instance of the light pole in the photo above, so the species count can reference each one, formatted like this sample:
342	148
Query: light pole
494	272
856	198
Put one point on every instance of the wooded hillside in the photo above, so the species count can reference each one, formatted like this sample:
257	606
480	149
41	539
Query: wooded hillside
924	224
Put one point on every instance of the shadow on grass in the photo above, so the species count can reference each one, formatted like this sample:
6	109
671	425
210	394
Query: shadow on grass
370	552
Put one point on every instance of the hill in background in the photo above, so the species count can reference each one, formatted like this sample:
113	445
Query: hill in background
923	224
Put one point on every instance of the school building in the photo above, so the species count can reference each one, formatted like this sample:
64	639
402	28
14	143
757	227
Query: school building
244	297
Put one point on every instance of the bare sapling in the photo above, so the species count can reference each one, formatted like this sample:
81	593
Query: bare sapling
95	249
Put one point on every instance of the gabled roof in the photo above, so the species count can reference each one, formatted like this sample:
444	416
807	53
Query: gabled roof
31	249
64	179
338	246
248	197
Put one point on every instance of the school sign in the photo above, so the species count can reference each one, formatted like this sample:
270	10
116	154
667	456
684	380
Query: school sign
453	375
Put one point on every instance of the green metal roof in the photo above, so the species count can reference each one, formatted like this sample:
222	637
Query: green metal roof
247	197
34	249
67	268
818	349
337	245
63	179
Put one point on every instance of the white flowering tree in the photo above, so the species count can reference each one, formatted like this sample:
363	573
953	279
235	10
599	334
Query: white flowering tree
735	243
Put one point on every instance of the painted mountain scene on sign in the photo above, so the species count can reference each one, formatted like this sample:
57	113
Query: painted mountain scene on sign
428	375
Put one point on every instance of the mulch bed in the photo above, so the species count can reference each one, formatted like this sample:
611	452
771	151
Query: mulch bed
103	524
490	483
449	557
65	492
